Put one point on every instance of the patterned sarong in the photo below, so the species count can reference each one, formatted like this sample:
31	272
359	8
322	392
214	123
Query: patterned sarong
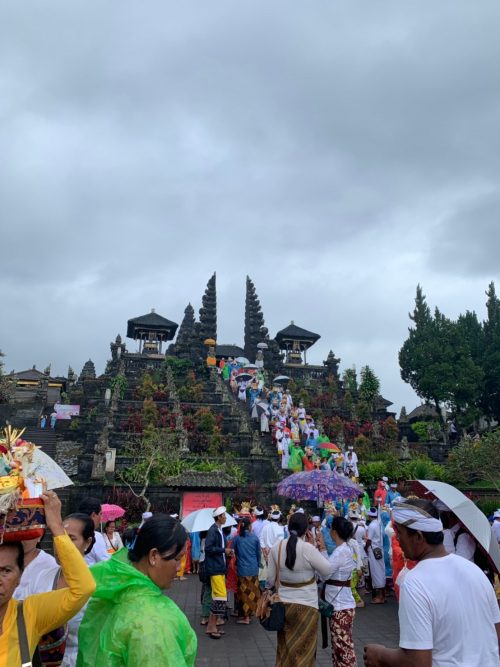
248	595
297	641
343	652
219	595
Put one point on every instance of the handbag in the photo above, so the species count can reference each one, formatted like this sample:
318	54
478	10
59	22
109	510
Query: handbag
377	553
325	608
270	610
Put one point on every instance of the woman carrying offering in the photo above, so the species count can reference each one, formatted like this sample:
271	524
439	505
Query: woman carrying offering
47	611
298	565
80	530
129	620
338	593
112	538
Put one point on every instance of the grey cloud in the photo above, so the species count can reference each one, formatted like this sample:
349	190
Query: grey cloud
337	154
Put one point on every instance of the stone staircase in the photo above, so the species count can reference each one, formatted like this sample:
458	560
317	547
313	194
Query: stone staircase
265	442
44	438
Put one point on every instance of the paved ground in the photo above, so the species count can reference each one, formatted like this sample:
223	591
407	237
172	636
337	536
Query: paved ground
251	646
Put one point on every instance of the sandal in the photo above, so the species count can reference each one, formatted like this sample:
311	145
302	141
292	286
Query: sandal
214	635
204	622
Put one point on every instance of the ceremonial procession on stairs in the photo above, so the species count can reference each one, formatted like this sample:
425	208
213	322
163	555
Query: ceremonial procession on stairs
281	498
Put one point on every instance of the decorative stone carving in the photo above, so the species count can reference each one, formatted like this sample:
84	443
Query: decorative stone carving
404	449
256	445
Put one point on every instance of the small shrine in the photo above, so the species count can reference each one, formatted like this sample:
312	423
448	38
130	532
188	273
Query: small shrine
295	341
151	330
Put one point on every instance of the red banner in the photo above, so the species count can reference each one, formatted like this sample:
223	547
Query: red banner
197	500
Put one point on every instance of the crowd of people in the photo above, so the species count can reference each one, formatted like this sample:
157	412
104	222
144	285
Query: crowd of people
102	601
299	441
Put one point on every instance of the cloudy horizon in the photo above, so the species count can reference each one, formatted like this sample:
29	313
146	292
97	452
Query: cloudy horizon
338	155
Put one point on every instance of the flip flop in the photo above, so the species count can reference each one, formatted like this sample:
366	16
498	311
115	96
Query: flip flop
214	635
203	622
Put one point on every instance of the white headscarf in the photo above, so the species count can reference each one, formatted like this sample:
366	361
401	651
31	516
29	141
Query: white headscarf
415	518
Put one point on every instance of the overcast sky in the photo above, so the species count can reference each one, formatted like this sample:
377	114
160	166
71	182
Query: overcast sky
339	153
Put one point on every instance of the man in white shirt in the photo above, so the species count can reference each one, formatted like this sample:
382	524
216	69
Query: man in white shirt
271	533
92	507
448	612
259	522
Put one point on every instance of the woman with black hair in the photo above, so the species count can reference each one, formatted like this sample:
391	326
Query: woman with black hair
299	563
246	547
129	620
337	589
63	642
40	614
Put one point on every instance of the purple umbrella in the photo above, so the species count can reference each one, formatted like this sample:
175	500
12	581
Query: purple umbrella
318	485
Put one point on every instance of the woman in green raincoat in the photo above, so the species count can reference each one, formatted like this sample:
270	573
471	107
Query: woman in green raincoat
295	460
129	621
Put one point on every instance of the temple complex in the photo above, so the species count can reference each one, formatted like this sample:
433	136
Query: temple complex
159	384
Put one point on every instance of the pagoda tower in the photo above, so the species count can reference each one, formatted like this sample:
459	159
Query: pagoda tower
187	333
208	312
254	321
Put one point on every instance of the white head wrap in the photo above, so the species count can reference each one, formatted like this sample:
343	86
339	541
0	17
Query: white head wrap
416	518
496	515
217	512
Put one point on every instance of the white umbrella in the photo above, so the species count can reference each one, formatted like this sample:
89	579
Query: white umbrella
252	367
281	378
202	520
43	466
465	511
262	346
242	360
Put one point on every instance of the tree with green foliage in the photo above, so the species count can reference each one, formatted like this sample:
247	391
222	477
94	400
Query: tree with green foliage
369	387
350	380
490	400
6	388
436	361
475	460
157	457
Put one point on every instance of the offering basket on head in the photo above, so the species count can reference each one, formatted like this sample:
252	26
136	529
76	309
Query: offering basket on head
25	472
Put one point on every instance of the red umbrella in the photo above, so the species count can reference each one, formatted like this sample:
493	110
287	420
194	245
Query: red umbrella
330	446
111	512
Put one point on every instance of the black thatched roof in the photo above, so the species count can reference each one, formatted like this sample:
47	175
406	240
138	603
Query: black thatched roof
293	332
228	351
381	402
151	322
201	480
31	375
423	412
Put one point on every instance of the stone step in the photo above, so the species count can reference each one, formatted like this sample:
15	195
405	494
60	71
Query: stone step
44	438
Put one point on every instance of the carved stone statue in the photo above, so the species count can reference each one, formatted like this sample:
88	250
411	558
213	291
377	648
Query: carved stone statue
404	449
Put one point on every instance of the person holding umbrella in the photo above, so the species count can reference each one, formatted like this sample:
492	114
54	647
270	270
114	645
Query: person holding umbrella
448	612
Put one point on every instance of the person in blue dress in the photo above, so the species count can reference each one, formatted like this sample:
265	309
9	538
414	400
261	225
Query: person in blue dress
195	551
